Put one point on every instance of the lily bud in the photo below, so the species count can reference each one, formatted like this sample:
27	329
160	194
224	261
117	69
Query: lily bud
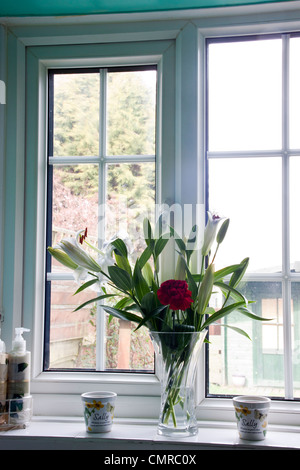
222	232
210	232
180	272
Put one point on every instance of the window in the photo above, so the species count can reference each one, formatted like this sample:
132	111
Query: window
101	175
175	46
253	153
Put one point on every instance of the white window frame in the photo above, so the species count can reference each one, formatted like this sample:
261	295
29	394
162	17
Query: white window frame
182	121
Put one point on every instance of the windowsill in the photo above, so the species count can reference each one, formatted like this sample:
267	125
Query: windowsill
49	433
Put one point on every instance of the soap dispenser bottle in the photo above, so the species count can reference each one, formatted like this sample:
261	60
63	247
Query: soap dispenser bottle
19	360
3	374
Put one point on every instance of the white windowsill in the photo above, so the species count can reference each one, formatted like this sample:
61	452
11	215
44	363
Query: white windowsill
51	433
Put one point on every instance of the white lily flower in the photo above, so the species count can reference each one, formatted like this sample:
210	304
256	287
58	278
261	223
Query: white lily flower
78	255
210	232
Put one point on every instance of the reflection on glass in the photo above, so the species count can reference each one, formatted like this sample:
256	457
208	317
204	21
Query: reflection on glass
75	201
240	366
76	114
245	95
131	106
130	198
294	103
248	191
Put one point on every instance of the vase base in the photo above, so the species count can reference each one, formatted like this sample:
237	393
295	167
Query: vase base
177	433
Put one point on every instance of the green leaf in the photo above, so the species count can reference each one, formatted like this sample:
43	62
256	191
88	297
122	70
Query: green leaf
148	233
149	302
238	330
148	274
152	314
226	271
145	256
140	284
123	263
205	290
178	240
124	303
123	315
160	245
239	273
96	299
120	278
233	292
223	312
250	314
120	246
191	243
190	280
86	285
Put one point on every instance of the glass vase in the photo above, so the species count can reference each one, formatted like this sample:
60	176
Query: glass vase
177	355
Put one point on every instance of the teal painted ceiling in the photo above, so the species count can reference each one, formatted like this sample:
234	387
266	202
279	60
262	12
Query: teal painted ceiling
91	7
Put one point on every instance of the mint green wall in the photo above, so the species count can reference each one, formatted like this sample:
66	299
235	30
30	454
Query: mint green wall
88	7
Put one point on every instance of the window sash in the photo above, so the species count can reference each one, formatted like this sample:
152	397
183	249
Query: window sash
102	160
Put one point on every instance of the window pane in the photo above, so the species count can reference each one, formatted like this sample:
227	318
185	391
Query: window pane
295	320
130	198
248	191
73	344
76	114
240	366
72	334
294	218
294	93
131	113
74	202
245	95
127	349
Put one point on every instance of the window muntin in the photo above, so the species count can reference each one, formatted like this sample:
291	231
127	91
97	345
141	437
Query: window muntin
101	175
253	180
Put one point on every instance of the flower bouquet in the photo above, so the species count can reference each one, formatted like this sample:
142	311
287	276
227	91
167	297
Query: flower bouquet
176	311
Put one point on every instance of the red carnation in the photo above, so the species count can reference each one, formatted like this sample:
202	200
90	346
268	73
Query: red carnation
175	294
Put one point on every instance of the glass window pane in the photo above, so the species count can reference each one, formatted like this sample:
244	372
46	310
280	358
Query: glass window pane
294	93
245	95
74	202
130	198
240	366
295	320
294	218
72	342
248	191
72	334
76	114
127	349
131	102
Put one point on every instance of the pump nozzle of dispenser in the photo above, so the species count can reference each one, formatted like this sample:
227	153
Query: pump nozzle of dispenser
19	343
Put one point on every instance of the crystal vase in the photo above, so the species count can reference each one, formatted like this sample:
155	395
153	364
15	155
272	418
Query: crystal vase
177	355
